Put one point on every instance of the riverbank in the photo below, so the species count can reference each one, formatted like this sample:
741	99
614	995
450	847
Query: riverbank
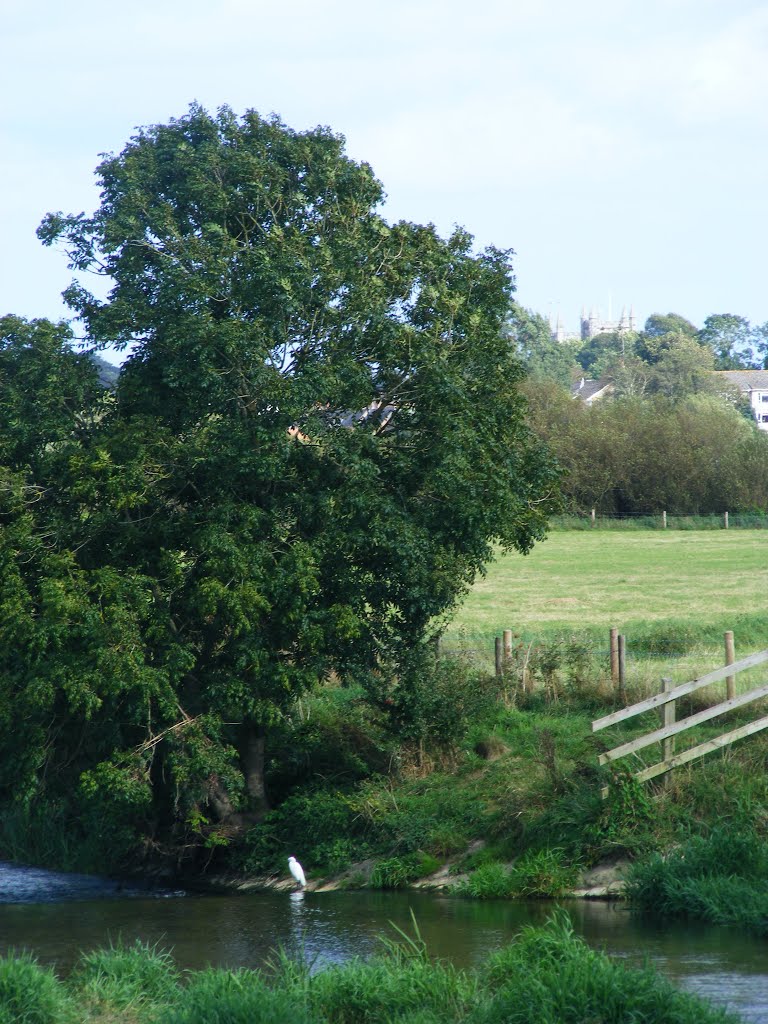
605	881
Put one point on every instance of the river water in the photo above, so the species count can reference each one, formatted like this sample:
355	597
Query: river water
57	916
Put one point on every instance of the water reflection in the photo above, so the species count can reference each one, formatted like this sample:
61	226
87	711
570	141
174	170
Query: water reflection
57	916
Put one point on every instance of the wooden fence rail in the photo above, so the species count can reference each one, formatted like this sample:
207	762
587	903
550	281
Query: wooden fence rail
665	701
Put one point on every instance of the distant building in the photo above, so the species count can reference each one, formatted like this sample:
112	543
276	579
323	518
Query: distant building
595	324
557	332
754	385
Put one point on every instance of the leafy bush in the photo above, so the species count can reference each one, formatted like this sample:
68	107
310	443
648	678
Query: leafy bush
626	821
438	698
319	826
542	873
422	814
403	985
333	733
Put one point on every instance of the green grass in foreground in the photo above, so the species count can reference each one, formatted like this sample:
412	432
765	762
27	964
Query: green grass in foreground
668	592
546	976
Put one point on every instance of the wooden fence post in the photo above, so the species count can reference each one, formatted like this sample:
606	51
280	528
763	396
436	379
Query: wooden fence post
730	657
663	520
499	658
507	649
622	668
725	520
614	650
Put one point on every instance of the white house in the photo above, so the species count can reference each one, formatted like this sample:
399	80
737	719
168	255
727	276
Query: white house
753	384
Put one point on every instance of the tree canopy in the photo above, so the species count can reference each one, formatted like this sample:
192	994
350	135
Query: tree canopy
315	443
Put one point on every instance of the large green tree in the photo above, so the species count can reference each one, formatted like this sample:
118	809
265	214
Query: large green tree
543	356
735	342
315	443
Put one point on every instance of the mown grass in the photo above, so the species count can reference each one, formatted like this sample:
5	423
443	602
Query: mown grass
546	976
673	594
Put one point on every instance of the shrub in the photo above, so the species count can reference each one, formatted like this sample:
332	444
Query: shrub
318	826
402	986
438	699
542	873
334	733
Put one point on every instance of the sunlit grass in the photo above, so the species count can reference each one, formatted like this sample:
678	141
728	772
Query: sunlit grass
676	589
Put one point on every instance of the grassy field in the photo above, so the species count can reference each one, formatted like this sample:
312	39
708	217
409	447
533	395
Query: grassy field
668	592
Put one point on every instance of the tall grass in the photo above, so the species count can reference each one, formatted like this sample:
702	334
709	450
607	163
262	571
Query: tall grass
546	976
721	878
31	994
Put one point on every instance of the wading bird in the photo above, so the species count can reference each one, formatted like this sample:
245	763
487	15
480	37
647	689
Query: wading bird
297	871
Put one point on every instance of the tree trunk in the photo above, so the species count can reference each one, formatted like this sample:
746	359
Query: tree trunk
252	746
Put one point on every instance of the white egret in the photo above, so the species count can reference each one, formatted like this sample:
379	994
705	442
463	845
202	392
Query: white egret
297	871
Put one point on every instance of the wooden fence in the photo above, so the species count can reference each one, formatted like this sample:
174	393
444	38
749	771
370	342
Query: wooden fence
665	702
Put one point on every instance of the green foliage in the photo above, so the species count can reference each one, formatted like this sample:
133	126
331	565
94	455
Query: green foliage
333	733
437	699
31	994
490	881
628	815
736	344
315	444
536	874
234	997
548	976
125	977
659	324
47	391
543	873
402	985
321	826
720	877
398	872
543	356
417	814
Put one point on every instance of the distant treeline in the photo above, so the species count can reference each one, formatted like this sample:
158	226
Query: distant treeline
634	456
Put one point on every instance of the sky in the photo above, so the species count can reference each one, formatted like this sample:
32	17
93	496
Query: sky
618	146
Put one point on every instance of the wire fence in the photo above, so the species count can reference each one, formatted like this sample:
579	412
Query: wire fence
661	520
